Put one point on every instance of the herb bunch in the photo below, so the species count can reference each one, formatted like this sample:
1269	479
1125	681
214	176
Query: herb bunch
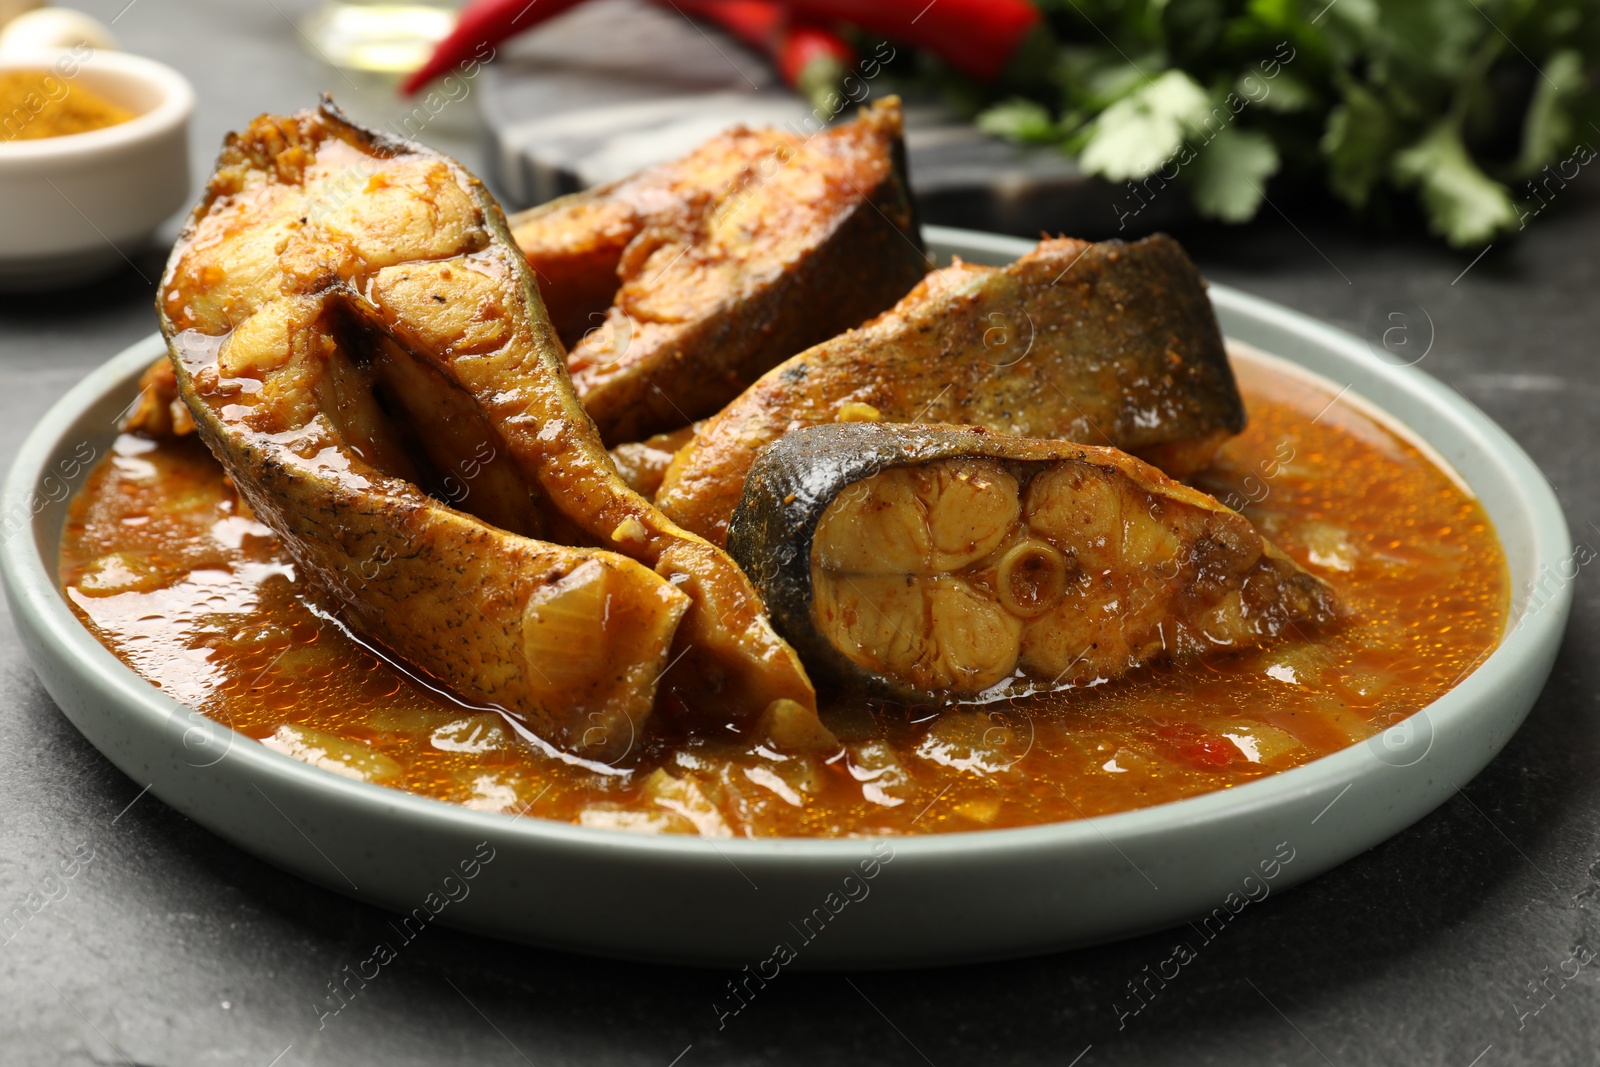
1472	107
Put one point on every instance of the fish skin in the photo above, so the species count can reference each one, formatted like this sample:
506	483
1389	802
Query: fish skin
321	249
1108	344
1168	606
676	287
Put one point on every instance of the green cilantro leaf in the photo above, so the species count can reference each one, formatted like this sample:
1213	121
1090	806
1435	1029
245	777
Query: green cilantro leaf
1548	129
1360	139
1135	135
1020	120
1229	174
1464	205
1283	94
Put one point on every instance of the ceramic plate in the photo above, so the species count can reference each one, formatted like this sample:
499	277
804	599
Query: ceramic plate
922	900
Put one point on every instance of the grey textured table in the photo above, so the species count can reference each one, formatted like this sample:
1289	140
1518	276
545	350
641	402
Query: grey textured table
171	947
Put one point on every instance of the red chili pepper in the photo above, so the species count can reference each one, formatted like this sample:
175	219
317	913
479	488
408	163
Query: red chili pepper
978	37
809	57
1191	744
482	23
758	23
815	60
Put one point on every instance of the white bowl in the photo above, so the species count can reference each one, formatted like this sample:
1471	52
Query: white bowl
75	206
930	899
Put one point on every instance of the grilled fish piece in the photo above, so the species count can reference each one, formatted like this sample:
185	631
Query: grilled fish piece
1108	344
676	288
642	464
362	346
158	411
954	563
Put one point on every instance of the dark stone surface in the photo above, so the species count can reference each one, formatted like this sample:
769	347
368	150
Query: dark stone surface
173	948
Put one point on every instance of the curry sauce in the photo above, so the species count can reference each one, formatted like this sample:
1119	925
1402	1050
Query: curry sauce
169	571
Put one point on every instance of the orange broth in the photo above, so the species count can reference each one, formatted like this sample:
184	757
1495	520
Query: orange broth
165	568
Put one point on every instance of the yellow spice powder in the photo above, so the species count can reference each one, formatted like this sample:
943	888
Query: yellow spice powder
40	103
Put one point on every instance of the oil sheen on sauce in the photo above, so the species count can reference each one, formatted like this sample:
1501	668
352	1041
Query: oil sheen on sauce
166	569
